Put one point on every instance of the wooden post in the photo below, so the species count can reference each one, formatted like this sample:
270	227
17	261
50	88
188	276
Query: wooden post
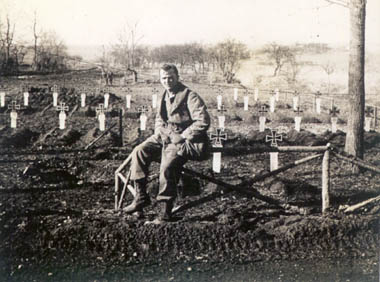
375	117
121	127
325	181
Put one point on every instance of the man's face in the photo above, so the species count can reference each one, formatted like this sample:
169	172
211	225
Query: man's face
168	79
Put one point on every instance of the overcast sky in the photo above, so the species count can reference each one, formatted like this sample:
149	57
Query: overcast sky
254	22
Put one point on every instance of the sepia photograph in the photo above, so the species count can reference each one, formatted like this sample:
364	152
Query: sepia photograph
189	140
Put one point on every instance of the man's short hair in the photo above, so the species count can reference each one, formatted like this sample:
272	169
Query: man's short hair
168	67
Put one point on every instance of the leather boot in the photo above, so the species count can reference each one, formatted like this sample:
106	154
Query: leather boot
165	211
141	199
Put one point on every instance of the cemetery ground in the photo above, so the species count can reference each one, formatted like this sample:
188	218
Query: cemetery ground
57	218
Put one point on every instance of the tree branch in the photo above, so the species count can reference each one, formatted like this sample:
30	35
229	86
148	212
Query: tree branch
339	2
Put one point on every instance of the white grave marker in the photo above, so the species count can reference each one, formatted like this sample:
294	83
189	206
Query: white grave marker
62	115
143	118
297	120
262	118
334	119
277	94
367	120
2	99
246	101
128	97
273	138
318	102
154	98
236	92
221	118
55	96
101	117
106	100
13	107
26	98
83	100
219	99
272	103
217	138
296	99
256	95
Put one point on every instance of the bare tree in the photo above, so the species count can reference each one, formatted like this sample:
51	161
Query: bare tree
328	67
279	54
228	56
356	88
126	50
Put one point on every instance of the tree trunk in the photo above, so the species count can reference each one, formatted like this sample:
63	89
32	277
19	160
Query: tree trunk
355	133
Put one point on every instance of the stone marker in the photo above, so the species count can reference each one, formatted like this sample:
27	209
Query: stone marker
236	92
318	102
277	94
296	99
106	99
217	139
272	103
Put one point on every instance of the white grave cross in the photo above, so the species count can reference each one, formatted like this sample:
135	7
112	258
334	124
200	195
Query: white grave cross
101	117
13	107
62	115
256	94
296	99
272	103
83	100
318	102
368	120
142	110
236	91
217	139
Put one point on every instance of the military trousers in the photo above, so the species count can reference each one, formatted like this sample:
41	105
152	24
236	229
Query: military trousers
172	158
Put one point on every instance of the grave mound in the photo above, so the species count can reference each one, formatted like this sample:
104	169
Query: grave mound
20	138
304	138
70	137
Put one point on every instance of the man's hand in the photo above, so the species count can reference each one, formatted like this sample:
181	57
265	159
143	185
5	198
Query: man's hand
176	138
164	134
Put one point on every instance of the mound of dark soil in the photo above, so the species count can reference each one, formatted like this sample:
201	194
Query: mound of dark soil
20	138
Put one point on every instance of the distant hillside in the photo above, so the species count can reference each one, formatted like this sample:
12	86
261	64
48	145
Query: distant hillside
87	52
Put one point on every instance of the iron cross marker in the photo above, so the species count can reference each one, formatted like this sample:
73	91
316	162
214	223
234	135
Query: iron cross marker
273	138
13	106
217	139
334	111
